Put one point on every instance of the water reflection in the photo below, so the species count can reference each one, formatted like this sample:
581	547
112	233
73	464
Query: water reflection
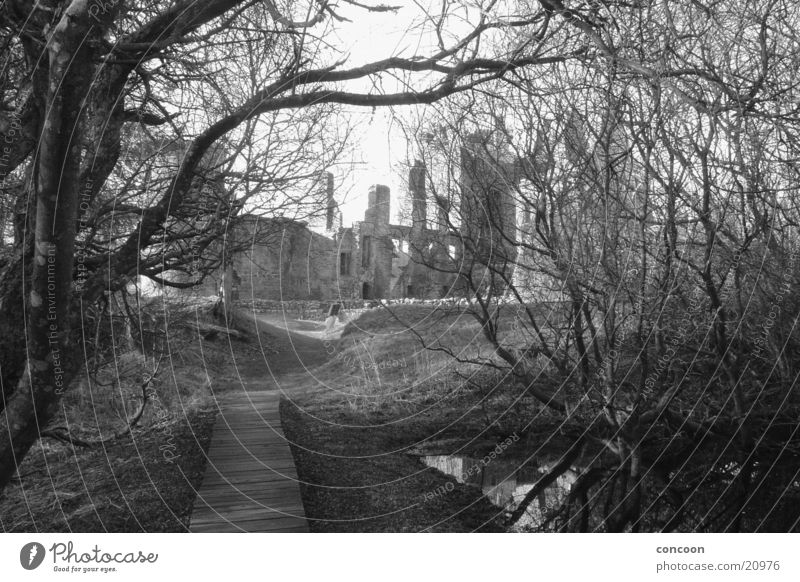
506	483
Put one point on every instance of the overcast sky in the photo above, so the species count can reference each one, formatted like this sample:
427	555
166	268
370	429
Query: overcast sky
382	150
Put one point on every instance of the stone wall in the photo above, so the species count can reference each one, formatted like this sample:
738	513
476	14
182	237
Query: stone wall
298	264
284	260
375	259
306	310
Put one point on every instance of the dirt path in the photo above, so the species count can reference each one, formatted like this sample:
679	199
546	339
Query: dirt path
301	344
251	482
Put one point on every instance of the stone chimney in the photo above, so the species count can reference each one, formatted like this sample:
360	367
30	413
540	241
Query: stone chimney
331	206
416	186
378	204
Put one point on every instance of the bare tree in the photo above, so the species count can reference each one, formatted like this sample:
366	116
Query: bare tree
85	83
650	190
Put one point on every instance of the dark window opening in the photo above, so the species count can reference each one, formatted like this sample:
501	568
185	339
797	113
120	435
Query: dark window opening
366	291
344	264
410	291
366	251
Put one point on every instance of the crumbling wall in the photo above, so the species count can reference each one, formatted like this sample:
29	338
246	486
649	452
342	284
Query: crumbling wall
376	244
298	264
292	262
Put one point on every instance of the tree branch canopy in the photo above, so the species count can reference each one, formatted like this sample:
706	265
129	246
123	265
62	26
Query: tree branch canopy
628	161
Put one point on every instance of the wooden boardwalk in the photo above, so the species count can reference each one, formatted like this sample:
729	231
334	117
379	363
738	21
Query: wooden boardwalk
250	484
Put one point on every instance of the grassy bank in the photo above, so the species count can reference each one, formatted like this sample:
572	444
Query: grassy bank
390	410
357	441
350	483
141	482
132	440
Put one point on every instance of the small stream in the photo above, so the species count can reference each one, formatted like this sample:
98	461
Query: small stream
505	482
506	478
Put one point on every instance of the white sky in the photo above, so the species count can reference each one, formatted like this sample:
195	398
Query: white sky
381	151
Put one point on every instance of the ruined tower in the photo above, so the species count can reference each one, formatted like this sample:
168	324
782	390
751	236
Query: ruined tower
417	268
488	209
332	215
376	244
419	202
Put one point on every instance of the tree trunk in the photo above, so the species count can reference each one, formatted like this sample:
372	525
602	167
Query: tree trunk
12	327
50	364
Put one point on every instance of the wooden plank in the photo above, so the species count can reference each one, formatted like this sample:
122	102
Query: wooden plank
241	479
246	458
233	475
255	527
250	483
238	510
235	481
232	511
232	528
250	465
252	522
255	489
249	450
279	503
271	491
253	516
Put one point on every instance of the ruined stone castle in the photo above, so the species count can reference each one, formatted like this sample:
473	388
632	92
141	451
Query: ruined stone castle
372	259
376	259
